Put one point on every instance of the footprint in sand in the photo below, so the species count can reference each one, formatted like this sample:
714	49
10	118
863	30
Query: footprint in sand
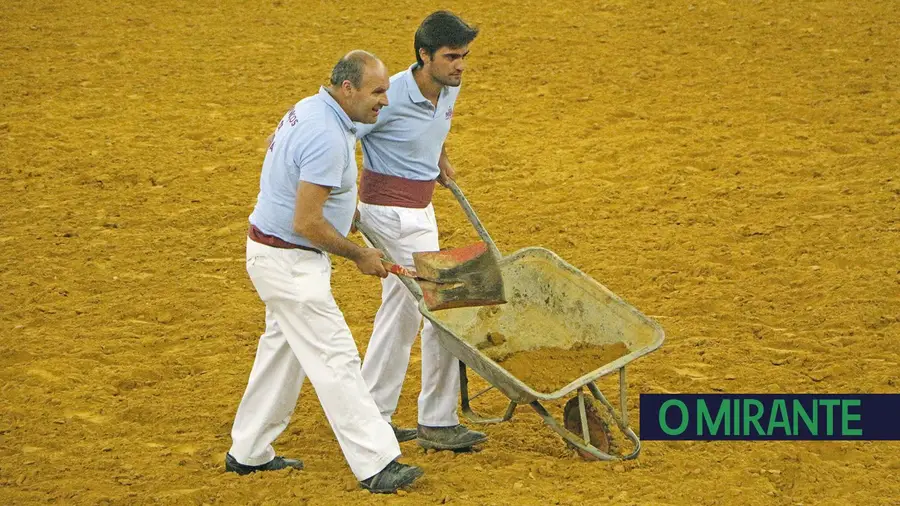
690	373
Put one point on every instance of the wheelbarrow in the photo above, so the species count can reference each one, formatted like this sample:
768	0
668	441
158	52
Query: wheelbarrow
541	287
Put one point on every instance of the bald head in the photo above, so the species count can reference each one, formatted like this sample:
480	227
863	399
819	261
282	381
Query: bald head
352	67
359	83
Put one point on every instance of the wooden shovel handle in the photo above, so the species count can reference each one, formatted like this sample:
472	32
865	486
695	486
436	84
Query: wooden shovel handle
373	241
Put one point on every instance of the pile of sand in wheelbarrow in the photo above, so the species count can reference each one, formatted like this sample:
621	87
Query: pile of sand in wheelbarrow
549	369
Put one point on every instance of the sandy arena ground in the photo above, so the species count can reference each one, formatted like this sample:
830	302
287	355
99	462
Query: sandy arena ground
729	168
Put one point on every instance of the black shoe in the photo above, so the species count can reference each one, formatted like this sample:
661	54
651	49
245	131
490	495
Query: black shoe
403	434
457	437
393	477
278	463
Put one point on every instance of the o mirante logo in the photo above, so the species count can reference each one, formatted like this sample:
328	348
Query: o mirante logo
770	417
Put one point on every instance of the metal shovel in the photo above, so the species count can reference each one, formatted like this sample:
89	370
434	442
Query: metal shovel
450	278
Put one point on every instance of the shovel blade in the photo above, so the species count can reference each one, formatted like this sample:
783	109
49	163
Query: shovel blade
459	277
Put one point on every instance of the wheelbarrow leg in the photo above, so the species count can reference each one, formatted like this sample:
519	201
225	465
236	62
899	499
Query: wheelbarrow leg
621	422
585	430
467	409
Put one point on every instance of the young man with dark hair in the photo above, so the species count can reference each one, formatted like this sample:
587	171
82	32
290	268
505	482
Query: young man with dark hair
404	155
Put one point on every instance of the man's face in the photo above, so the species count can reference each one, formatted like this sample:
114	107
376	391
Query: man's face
447	65
366	101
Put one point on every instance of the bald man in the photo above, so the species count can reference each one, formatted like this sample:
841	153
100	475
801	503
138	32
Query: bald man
303	213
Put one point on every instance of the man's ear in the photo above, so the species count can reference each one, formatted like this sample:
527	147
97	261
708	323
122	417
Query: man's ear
346	88
423	54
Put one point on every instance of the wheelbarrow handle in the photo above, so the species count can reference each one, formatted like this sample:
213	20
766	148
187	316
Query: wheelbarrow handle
473	218
388	262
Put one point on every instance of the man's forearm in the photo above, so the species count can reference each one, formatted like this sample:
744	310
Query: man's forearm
448	173
323	234
443	161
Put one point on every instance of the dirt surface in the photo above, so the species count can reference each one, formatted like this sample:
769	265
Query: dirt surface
728	168
549	369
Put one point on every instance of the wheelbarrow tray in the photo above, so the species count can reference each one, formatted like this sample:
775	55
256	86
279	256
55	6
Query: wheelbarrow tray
550	304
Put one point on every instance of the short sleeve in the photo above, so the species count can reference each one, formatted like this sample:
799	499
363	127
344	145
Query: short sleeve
322	160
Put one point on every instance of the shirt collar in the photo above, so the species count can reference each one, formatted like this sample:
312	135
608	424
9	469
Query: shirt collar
341	114
412	87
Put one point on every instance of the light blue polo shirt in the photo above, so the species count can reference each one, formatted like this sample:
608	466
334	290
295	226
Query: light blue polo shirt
314	142
406	140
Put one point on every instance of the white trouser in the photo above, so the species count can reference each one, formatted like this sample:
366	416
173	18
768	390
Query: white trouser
403	231
306	335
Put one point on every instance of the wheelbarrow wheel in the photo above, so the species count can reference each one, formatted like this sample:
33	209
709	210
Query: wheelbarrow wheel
598	429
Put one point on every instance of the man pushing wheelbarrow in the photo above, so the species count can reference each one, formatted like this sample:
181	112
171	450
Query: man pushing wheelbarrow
404	155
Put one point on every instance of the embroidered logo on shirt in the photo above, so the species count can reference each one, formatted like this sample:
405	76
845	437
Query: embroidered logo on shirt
449	113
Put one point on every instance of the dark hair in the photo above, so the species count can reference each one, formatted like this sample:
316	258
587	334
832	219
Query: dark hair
442	29
351	68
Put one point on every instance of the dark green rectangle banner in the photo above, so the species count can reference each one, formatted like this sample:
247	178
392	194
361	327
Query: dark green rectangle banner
710	417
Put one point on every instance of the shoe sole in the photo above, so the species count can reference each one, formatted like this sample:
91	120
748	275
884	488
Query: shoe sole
409	480
432	445
229	468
